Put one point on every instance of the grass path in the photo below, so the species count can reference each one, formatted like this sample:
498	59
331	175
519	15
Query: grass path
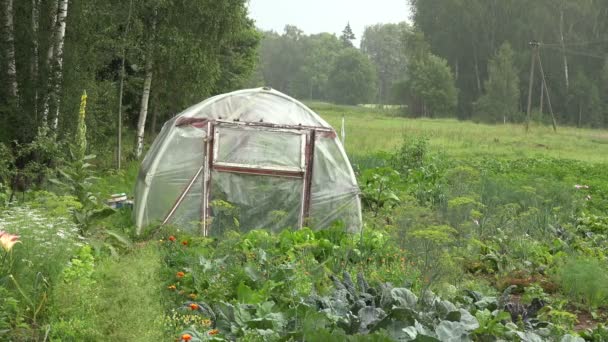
124	303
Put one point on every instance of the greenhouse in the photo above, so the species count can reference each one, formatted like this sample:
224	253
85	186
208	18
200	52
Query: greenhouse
251	159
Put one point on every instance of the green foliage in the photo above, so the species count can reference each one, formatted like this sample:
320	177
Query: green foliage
352	78
385	46
592	224
36	161
77	179
467	34
490	325
584	280
430	87
348	36
87	305
255	294
500	102
378	188
81	268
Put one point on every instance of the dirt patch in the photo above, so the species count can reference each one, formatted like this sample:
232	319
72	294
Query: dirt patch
585	321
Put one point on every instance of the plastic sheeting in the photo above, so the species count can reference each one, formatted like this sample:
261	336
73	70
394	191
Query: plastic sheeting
244	201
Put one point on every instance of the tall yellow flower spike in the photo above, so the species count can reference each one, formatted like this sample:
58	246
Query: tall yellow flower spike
81	130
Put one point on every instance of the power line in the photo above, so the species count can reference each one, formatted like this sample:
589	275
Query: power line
579	43
574	52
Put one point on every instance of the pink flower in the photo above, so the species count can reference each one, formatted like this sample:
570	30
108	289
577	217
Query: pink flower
7	241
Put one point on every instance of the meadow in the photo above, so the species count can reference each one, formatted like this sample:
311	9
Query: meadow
472	233
370	130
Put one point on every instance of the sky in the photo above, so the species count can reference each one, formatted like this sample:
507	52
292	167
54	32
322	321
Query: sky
315	16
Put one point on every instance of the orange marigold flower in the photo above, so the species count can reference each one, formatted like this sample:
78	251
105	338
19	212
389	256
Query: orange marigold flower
186	337
193	295
171	238
172	287
214	332
185	243
193	306
180	274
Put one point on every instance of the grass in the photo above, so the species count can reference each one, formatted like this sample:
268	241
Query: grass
369	130
123	302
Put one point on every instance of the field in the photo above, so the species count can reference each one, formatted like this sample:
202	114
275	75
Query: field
377	130
472	233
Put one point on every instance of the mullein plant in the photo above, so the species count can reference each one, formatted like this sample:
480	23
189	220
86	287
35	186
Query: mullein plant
80	141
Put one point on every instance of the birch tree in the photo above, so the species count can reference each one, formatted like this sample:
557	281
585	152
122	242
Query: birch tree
145	97
55	62
143	112
10	42
60	38
34	62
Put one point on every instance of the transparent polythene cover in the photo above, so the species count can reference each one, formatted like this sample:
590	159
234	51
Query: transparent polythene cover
174	169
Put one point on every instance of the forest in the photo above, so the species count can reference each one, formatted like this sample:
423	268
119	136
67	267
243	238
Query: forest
474	131
466	59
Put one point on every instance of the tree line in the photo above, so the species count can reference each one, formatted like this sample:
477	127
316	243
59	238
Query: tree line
140	62
468	59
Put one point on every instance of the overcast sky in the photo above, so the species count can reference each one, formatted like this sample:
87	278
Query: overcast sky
314	16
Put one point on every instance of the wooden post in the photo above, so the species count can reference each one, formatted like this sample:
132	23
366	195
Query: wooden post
542	98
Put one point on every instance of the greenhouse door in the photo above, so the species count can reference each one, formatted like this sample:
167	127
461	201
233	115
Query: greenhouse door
256	176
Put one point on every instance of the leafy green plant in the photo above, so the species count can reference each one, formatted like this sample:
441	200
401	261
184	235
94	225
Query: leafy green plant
77	179
379	188
592	224
81	268
490	325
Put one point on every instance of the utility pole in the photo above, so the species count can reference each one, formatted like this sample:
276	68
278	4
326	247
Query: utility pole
542	98
534	45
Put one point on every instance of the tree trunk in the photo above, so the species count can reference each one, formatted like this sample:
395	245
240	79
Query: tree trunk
119	120
580	114
561	33
61	22
10	51
143	112
46	106
477	75
122	80
34	63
